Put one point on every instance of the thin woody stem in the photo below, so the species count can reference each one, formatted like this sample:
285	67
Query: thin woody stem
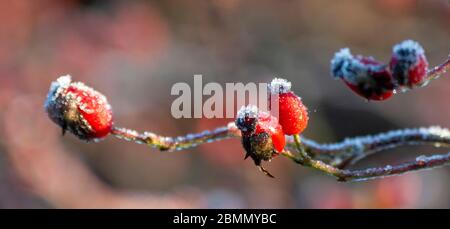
316	164
303	154
421	163
351	150
439	70
354	148
165	143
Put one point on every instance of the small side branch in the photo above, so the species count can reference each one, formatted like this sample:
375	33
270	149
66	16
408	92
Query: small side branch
421	163
351	150
439	70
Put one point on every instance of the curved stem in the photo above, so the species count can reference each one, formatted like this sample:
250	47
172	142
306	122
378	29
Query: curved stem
421	163
351	150
165	143
329	158
303	154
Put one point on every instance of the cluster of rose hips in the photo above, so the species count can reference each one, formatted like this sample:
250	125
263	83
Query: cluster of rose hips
263	135
87	114
374	80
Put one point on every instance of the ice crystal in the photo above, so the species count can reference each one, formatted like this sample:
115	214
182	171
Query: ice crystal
344	65
408	50
248	111
278	86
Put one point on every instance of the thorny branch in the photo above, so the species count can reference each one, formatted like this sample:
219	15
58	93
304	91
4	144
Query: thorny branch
329	158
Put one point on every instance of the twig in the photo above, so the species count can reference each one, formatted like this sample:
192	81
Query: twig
353	149
421	163
439	70
165	143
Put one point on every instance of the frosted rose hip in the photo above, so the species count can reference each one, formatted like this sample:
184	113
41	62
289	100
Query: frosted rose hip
365	76
409	64
293	115
262	135
79	109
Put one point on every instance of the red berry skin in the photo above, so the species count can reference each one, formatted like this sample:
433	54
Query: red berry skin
293	115
409	64
79	109
369	96
94	111
269	124
379	83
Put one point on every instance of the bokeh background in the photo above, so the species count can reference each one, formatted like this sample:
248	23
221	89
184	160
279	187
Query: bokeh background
134	51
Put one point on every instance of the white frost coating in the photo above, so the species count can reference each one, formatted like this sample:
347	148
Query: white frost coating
64	81
56	87
384	140
129	135
342	55
408	51
344	65
422	158
426	159
250	111
279	86
410	46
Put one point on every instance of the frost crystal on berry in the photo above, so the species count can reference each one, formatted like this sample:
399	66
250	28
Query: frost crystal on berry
279	86
339	62
246	118
248	111
408	50
345	65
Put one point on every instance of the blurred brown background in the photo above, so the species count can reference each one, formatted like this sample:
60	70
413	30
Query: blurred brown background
134	51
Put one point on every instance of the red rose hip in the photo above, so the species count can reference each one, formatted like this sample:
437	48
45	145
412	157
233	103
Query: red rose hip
365	76
409	64
293	115
79	109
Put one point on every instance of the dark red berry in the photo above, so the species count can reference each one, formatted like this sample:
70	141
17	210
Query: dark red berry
365	76
79	109
293	115
409	64
262	135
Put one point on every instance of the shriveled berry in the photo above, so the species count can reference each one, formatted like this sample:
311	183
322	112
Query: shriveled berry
79	109
262	135
293	115
408	64
365	76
